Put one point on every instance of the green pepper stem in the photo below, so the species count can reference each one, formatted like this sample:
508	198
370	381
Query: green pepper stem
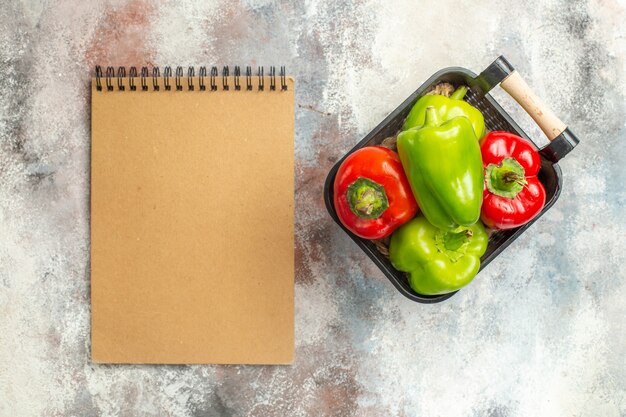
453	241
506	179
431	118
459	93
453	244
367	199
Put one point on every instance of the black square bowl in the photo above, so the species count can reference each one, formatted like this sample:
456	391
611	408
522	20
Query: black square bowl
495	119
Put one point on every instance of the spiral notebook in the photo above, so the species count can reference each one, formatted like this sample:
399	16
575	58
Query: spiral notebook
192	199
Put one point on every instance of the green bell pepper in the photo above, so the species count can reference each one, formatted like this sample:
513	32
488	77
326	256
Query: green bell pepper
447	108
437	261
444	167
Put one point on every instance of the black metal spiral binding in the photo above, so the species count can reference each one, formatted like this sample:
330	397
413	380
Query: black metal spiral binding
191	75
283	78
249	78
121	74
191	71
132	74
155	78
201	75
179	74
110	74
261	79
98	78
213	75
144	75
167	74
236	78
225	78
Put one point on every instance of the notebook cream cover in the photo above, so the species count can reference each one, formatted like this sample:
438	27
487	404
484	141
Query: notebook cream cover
192	213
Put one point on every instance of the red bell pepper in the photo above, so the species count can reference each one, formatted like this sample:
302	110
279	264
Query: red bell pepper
372	194
513	194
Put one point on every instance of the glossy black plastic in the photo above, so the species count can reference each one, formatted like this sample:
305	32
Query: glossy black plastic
495	119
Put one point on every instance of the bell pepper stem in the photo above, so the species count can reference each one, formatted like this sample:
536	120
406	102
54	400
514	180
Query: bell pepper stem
459	93
506	179
367	199
453	241
511	176
431	118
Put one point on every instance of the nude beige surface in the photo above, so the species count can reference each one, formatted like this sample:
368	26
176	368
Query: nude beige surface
539	333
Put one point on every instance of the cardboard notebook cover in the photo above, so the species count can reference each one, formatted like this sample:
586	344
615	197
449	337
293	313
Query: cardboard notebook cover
192	200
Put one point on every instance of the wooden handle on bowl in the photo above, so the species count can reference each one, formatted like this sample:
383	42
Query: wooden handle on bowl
517	88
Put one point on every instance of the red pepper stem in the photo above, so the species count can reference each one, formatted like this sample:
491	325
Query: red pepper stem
511	176
459	93
431	118
367	199
506	179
